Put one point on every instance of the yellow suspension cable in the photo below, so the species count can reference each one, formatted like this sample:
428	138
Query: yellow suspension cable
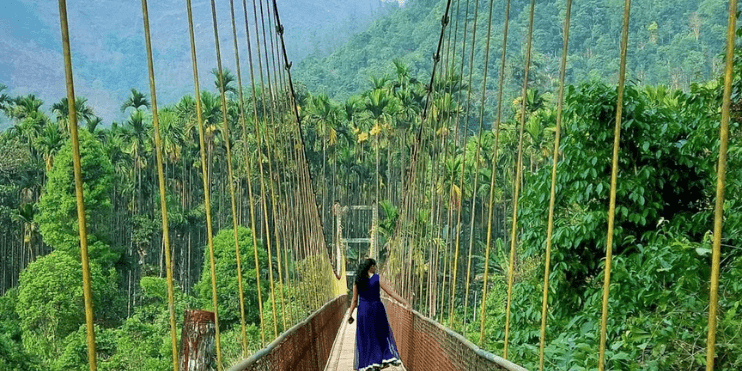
614	176
161	183
260	164
77	167
206	183
447	193
273	177
243	327
270	164
408	194
283	216
459	207
552	195
720	178
503	58
434	294
518	175
263	189
476	160
230	173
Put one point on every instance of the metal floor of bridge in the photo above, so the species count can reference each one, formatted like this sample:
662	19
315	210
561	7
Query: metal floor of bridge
341	358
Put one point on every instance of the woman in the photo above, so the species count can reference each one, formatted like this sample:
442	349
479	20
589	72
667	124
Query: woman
375	346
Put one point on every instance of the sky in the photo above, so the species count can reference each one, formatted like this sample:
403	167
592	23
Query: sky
108	45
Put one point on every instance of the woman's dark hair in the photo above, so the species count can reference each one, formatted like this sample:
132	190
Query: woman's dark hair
362	273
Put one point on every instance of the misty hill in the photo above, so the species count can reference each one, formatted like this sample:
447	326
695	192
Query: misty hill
672	43
108	44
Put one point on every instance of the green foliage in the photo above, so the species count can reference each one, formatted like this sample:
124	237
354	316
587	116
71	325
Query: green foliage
289	303
314	282
74	357
658	302
664	175
12	354
144	339
226	273
675	43
50	301
58	209
232	343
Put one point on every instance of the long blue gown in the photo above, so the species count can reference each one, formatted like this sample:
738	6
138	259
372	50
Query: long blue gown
375	345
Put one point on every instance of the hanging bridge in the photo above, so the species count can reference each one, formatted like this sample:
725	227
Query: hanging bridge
308	300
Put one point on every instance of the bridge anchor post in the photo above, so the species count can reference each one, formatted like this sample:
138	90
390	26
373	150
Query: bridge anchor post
197	350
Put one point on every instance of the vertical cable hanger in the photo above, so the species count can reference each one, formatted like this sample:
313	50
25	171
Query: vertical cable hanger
253	223
552	193
488	246
80	200
241	107
161	184
460	195
518	176
230	174
206	182
614	176
477	157
720	178
270	172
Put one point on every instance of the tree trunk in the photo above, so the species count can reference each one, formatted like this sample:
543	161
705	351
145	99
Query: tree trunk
197	350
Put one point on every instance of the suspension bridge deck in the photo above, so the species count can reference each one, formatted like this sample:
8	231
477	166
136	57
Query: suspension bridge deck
341	358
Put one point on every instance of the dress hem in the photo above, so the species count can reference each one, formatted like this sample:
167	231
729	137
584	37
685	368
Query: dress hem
383	363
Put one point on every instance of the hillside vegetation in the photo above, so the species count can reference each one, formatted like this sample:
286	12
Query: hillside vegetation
671	42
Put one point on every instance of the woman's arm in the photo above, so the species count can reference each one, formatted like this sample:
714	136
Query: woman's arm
391	292
353	304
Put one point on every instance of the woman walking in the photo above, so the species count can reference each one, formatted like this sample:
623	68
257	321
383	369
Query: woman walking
375	347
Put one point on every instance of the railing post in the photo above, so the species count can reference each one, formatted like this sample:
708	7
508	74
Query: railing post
197	350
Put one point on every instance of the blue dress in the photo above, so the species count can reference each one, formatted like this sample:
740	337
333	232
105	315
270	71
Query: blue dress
375	345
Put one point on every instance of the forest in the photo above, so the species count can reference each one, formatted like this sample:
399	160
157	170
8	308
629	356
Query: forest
359	144
672	43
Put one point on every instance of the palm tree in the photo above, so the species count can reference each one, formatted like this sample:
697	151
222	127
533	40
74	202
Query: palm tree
92	124
25	214
137	138
30	119
62	109
4	98
225	81
136	100
212	116
325	116
384	107
49	143
172	135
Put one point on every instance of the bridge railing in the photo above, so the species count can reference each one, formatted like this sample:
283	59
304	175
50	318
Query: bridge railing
306	346
427	345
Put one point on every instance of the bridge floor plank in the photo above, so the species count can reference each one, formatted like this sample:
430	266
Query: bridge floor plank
341	358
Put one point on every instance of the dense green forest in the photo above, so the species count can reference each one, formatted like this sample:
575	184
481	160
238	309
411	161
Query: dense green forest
659	295
673	43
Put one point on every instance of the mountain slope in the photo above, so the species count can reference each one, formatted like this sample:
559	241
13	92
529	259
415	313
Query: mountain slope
673	43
